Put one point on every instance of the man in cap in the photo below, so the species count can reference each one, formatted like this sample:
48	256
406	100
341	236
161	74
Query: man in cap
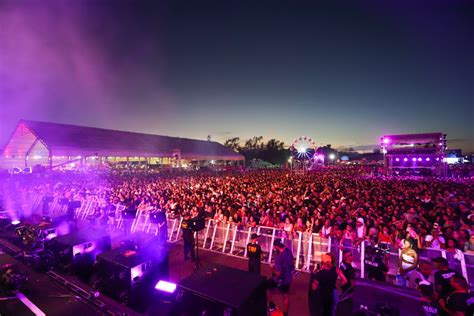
282	274
254	253
188	238
443	276
459	301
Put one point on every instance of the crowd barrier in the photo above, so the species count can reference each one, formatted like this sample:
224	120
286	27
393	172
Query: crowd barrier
231	239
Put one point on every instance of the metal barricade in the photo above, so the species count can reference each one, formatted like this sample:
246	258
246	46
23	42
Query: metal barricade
231	239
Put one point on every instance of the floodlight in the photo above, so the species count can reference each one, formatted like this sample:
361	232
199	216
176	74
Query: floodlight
165	286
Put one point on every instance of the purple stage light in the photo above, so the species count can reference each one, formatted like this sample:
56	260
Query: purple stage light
15	222
165	286
437	159
419	158
413	159
405	159
397	159
386	140
136	273
428	159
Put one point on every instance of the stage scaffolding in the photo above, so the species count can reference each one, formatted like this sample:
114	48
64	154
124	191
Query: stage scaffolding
415	154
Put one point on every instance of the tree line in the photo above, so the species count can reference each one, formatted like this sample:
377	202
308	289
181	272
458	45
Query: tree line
273	151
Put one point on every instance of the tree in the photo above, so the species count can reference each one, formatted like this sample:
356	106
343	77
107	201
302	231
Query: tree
274	144
233	143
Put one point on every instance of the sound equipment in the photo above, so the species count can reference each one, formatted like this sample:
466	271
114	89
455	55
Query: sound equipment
129	275
76	252
374	298
196	224
220	290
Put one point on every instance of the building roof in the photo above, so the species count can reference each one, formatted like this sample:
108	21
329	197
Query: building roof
73	140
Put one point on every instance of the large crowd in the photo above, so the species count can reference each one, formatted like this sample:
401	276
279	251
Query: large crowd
343	203
348	204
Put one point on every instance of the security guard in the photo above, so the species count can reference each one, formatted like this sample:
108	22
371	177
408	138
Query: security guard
188	238
254	252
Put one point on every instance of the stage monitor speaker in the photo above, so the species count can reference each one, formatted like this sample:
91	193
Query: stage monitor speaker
76	252
196	224
374	298
220	290
129	275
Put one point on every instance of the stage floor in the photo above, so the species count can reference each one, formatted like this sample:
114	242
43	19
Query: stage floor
54	300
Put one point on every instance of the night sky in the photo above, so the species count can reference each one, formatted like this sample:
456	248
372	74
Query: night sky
343	73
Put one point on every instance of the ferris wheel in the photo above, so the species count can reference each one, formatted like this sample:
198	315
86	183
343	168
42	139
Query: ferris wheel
303	148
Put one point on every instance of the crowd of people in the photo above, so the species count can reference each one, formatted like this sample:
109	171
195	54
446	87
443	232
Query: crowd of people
344	203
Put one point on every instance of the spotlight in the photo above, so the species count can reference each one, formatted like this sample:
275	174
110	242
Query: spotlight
437	158
386	140
419	159
15	222
428	159
165	286
397	159
332	156
405	159
413	159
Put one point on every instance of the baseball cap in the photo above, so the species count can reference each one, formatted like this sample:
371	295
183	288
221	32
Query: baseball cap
360	220
254	236
278	243
440	260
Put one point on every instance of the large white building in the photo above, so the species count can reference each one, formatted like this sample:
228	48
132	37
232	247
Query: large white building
51	145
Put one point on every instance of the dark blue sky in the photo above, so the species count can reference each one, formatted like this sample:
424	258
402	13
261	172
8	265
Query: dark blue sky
340	72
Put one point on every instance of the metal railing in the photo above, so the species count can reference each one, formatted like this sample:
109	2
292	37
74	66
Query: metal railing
231	239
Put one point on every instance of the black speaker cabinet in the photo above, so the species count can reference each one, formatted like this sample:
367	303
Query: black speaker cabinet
76	252
129	276
220	290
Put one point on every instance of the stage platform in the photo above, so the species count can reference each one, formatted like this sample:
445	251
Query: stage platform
55	300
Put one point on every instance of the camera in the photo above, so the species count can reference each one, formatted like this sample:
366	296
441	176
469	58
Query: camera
380	250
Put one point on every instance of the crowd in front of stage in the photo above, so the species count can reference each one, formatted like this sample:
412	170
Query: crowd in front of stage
343	203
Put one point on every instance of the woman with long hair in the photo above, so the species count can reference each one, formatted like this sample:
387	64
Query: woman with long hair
408	259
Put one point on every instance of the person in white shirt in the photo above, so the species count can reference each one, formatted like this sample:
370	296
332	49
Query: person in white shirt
435	240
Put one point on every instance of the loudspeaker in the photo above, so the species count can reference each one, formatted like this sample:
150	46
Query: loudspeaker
374	298
129	276
220	290
77	252
196	224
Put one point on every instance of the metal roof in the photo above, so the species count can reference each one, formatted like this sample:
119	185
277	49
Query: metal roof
73	140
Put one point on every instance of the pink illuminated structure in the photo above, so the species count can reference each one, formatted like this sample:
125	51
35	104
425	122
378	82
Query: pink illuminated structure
415	152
